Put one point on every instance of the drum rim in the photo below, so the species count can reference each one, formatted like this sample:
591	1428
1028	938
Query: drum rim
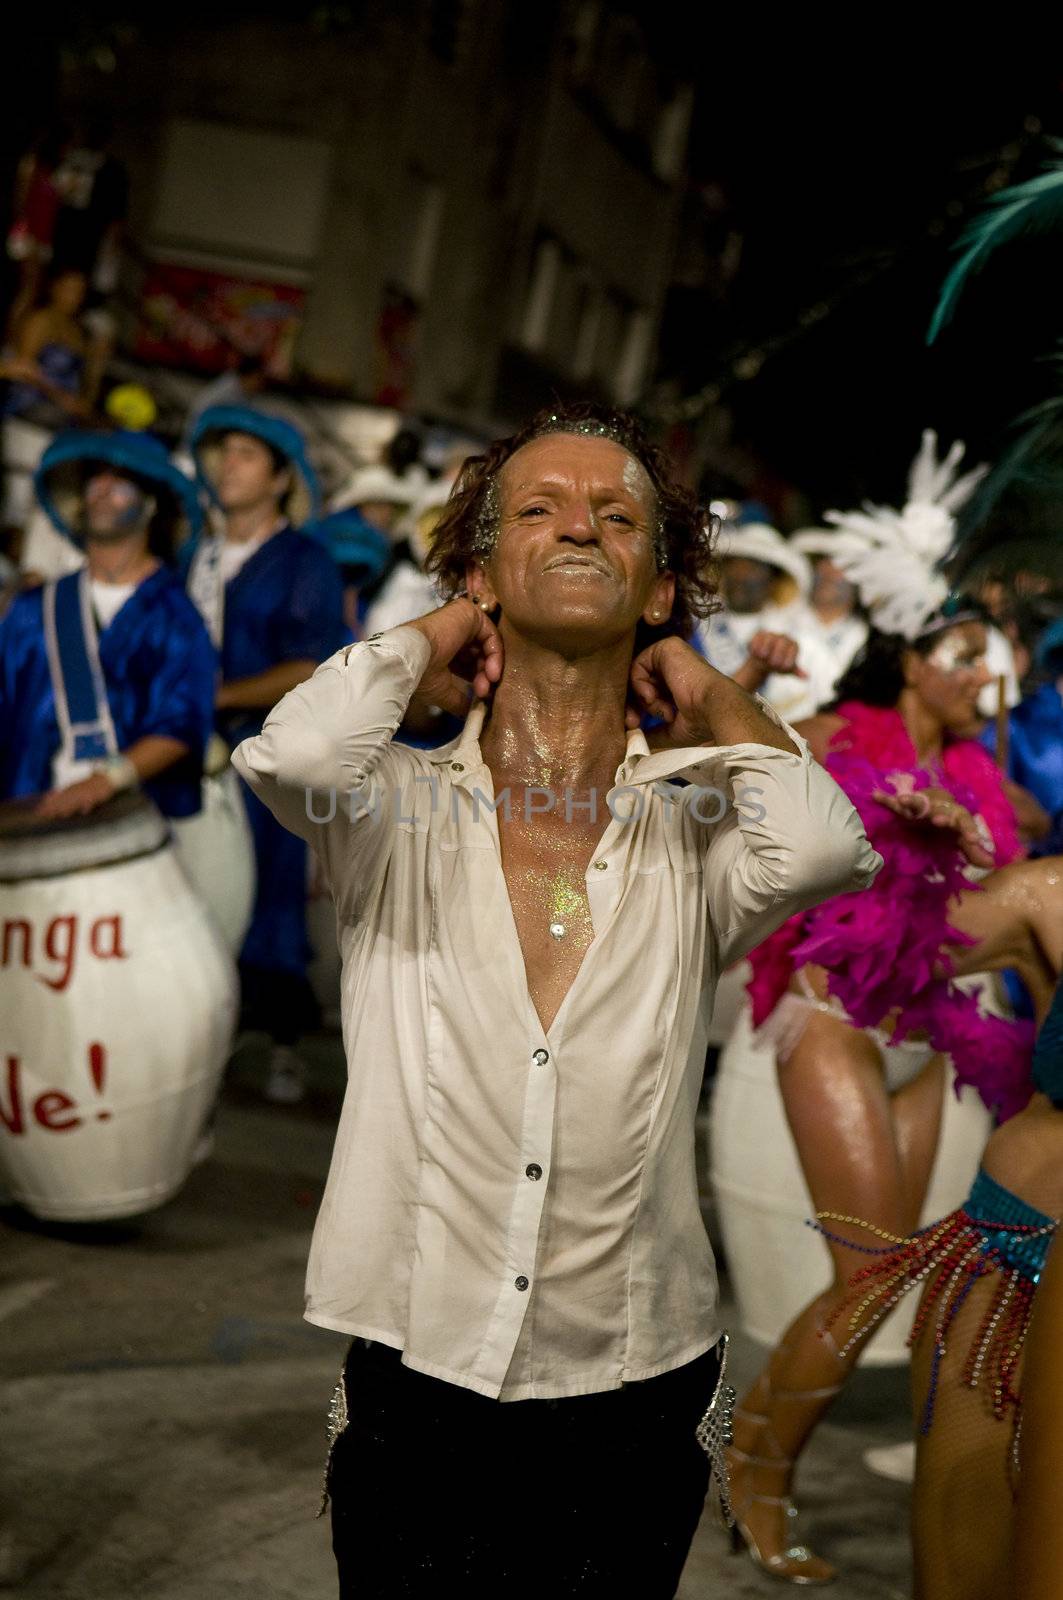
89	866
129	827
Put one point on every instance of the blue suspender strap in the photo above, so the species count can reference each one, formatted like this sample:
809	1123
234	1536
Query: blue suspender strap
83	714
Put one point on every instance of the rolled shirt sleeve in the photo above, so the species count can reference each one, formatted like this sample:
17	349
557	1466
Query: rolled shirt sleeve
324	763
789	839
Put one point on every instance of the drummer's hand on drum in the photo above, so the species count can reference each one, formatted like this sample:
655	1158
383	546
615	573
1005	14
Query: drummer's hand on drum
77	799
466	659
937	809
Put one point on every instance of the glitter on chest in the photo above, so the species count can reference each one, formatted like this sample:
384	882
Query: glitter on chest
552	897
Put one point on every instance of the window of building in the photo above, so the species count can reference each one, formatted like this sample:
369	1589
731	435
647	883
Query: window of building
673	127
582	40
590	318
420	243
542	287
216	199
566	314
609	343
622	74
623	346
635	354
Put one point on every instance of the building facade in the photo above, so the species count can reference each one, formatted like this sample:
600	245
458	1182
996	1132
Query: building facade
455	207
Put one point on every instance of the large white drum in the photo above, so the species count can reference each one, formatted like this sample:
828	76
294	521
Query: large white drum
117	1008
776	1263
217	851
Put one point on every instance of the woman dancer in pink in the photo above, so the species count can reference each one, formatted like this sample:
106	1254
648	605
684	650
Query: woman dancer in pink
855	995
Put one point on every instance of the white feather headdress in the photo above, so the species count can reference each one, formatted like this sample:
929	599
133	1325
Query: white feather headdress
894	557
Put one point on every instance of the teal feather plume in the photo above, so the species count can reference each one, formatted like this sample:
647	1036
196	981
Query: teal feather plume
1033	206
1014	519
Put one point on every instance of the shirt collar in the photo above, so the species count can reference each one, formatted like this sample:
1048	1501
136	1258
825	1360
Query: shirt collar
640	765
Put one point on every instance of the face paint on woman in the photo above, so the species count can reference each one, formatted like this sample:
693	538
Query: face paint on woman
956	655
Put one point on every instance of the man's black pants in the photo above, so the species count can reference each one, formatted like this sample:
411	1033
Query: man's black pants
438	1490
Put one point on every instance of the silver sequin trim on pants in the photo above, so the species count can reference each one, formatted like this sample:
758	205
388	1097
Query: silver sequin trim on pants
714	1433
338	1418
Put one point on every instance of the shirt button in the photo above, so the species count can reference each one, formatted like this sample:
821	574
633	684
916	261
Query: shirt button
600	866
541	1057
534	1171
456	766
521	1283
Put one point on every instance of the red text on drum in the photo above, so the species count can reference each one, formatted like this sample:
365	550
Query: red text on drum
21	944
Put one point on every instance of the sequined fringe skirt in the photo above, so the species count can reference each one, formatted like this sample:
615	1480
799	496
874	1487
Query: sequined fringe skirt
994	1234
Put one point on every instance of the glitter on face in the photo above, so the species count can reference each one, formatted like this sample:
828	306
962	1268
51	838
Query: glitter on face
636	478
953	655
488	521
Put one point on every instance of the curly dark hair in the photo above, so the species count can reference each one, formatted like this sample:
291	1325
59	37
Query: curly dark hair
688	529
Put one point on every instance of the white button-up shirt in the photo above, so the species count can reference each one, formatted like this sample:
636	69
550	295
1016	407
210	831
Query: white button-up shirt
515	1209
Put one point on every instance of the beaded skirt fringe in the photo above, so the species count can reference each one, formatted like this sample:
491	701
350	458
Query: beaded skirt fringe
946	1260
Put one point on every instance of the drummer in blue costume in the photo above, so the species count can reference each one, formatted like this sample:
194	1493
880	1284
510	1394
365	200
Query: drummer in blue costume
361	552
107	675
272	599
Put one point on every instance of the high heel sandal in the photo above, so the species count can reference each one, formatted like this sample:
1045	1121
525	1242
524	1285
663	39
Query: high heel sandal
796	1563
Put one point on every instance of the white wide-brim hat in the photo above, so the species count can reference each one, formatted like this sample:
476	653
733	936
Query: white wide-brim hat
419	523
376	484
756	541
822	541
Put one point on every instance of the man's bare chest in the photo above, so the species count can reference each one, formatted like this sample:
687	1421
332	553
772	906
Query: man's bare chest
545	861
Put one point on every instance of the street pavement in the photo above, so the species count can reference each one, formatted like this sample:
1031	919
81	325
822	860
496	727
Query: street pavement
163	1404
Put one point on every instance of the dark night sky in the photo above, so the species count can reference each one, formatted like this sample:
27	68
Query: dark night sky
833	175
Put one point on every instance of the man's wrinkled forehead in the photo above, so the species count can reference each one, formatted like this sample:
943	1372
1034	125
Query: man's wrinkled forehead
564	459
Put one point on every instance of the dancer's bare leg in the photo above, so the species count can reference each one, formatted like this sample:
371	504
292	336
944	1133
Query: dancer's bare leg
1016	915
971	1542
1037	1551
961	1499
917	1111
864	1154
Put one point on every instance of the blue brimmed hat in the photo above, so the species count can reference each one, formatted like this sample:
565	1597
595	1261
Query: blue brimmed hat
212	425
353	543
60	476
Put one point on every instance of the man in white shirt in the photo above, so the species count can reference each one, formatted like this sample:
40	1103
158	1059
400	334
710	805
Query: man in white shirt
532	920
765	584
832	615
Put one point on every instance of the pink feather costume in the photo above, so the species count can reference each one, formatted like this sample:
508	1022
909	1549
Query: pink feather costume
882	947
